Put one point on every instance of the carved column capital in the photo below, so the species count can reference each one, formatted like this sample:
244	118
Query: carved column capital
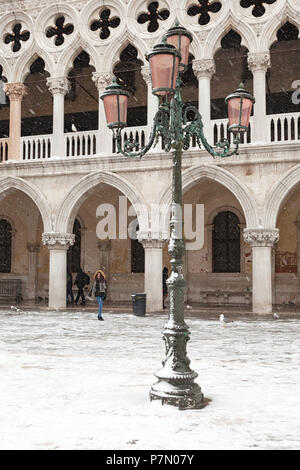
15	91
102	80
204	68
150	241
259	61
55	240
146	74
261	236
58	85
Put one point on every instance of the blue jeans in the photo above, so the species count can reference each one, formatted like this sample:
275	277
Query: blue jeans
100	303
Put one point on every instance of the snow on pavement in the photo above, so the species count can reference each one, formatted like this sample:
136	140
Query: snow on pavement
69	381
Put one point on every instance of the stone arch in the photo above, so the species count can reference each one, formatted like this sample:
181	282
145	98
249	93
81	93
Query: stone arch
10	183
270	32
278	194
68	56
112	55
23	64
192	176
76	196
213	41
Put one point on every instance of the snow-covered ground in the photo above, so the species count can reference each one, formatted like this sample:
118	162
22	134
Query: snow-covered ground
69	381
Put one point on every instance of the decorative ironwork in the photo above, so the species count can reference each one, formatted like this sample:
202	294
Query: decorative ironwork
105	23
226	243
59	30
5	246
259	9
153	16
206	6
16	37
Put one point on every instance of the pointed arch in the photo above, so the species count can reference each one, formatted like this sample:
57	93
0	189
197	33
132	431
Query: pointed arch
213	41
79	193
67	58
278	194
269	35
24	62
192	176
112	54
7	184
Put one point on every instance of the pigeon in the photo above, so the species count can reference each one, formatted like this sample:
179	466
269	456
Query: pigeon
223	320
188	307
275	315
74	128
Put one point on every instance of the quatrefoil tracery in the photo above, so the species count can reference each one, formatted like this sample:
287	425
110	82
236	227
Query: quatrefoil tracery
259	8
206	7
153	16
59	30
105	23
16	37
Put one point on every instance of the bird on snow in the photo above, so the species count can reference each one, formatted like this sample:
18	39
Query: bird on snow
223	320
15	309
188	307
275	315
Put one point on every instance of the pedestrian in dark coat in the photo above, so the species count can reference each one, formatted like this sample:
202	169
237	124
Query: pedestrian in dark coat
69	286
82	280
165	276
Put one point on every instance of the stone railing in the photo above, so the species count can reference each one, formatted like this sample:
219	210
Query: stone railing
80	144
284	127
36	147
281	128
3	150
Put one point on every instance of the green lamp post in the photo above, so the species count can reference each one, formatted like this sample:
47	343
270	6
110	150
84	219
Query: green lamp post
168	60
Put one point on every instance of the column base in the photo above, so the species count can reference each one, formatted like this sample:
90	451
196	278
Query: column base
183	396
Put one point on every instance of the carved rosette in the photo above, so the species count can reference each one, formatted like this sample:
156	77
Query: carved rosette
15	91
102	80
259	61
204	68
57	241
58	85
261	236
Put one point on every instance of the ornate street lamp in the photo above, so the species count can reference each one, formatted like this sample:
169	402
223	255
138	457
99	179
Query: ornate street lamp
168	60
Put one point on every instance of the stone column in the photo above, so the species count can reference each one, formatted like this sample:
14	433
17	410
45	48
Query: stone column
259	62
16	93
58	244
153	273
152	100
59	87
33	251
104	141
204	69
261	241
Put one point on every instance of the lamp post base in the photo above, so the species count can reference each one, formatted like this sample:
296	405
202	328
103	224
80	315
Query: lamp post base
182	396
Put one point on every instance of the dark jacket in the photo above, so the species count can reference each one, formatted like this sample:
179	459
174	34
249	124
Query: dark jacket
82	280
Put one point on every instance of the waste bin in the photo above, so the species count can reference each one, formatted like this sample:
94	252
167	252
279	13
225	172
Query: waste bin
138	304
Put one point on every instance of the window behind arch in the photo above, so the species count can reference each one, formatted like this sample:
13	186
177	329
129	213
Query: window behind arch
74	253
226	250
5	246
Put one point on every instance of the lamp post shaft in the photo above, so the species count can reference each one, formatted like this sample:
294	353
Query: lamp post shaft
176	384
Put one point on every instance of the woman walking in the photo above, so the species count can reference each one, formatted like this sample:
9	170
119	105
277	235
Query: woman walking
99	291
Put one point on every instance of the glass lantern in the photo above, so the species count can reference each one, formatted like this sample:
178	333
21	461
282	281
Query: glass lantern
115	100
164	61
240	104
179	37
